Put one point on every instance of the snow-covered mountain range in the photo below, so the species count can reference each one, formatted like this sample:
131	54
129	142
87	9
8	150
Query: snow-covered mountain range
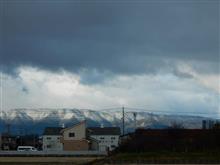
27	121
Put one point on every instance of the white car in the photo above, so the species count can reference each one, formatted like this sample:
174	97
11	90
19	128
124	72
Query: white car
26	148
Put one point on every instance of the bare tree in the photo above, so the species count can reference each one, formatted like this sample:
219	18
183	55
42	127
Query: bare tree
176	125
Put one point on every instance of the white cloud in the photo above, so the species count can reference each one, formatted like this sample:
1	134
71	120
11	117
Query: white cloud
44	89
211	81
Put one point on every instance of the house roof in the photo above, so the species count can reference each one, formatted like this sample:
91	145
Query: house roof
52	131
104	131
65	129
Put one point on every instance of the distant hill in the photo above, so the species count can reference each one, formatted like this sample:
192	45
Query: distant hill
27	121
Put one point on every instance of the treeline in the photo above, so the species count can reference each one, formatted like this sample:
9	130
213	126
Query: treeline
181	140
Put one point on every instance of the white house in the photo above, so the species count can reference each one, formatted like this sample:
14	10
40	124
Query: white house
107	137
51	139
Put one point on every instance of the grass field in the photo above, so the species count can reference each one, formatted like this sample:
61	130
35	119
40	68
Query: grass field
164	158
47	160
120	158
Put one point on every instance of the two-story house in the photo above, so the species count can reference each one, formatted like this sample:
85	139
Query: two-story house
51	139
74	138
107	137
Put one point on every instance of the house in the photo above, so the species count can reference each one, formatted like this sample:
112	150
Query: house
51	139
107	137
74	138
8	142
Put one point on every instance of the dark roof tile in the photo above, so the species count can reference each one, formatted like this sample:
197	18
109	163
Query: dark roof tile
103	131
52	131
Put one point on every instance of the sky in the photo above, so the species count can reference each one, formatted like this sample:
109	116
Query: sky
95	54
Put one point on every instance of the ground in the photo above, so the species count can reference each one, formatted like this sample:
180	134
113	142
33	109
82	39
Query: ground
163	158
46	160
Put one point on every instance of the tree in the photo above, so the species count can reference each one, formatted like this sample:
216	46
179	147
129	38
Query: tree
216	125
176	125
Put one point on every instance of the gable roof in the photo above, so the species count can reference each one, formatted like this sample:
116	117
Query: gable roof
103	131
80	123
52	131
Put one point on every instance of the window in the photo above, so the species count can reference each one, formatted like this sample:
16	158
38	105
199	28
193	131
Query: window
48	138
71	134
48	146
113	146
102	138
113	138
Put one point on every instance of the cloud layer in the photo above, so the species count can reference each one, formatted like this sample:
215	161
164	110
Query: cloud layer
121	37
36	88
91	54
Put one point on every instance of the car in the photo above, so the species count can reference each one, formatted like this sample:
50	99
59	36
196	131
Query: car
26	148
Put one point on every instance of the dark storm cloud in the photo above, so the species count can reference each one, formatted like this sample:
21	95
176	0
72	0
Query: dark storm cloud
122	37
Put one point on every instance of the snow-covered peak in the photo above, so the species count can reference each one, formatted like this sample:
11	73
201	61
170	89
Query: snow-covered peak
53	117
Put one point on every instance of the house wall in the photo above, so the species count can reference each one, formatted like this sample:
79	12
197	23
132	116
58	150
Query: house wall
52	143
78	130
106	141
78	142
75	145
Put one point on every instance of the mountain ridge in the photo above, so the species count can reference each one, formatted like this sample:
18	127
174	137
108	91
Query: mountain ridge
35	120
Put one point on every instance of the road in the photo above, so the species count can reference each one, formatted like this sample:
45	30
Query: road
47	160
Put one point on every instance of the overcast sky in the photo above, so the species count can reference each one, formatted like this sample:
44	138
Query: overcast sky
93	54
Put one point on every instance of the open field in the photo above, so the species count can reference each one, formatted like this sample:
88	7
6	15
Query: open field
162	158
47	160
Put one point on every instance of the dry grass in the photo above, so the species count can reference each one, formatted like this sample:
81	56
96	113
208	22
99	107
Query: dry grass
47	160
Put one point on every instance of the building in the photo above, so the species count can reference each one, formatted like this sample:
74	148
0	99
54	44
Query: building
107	137
204	124
208	124
8	142
74	138
51	139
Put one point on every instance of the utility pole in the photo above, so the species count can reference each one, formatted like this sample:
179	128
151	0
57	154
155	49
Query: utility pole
1	95
123	120
135	120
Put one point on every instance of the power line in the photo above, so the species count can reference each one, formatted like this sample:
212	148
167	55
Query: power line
169	111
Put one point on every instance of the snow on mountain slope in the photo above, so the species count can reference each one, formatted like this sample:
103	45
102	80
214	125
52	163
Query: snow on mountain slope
37	119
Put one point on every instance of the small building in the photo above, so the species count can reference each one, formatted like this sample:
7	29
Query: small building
51	139
74	138
107	137
8	142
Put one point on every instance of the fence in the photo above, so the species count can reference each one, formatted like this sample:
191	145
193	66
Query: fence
53	153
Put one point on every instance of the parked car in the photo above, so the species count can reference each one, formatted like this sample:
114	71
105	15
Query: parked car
26	148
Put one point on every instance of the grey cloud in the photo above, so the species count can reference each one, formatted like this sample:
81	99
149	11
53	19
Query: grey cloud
118	37
25	90
178	73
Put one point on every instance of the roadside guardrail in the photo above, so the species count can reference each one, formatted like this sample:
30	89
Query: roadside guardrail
53	153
